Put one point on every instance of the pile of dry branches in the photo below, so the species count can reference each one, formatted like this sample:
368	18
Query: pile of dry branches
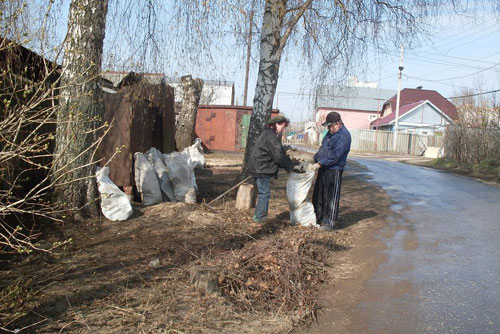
276	274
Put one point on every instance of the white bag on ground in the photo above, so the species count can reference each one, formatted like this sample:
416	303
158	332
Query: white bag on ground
297	188
114	203
196	159
181	176
304	215
146	181
155	159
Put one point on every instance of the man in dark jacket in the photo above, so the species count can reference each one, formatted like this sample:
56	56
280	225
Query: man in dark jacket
331	159
266	158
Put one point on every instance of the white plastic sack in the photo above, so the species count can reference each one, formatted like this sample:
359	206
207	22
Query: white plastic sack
297	188
196	159
155	159
303	215
114	203
181	176
146	181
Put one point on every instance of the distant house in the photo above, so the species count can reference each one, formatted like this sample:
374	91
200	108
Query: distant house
420	111
357	105
412	95
311	133
421	117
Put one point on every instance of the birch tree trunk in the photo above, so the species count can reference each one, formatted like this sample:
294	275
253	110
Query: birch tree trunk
191	93
267	79
81	108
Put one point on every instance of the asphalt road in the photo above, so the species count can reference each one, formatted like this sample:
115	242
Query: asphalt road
441	267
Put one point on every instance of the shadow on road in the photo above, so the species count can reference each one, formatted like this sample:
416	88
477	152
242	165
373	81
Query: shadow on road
354	217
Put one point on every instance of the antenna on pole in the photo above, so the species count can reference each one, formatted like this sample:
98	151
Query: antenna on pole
396	123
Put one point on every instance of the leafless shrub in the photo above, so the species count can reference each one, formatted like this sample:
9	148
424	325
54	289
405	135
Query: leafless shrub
475	137
29	93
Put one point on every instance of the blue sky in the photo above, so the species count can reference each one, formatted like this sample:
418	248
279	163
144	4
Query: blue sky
460	54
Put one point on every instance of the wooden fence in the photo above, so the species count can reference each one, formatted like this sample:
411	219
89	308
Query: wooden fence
382	141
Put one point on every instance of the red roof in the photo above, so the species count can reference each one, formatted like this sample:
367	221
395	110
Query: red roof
412	95
402	110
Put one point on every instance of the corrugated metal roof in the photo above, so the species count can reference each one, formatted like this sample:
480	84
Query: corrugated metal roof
117	77
350	97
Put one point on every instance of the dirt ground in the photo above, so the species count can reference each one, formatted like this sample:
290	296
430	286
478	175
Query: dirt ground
183	268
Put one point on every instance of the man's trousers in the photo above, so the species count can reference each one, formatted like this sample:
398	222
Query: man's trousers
326	196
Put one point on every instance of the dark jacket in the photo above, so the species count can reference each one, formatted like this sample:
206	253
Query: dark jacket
334	149
268	156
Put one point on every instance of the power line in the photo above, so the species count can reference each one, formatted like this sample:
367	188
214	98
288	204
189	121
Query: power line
469	95
428	60
468	59
475	40
435	81
468	75
444	62
463	34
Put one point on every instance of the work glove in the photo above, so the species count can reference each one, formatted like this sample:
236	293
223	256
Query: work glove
315	166
299	169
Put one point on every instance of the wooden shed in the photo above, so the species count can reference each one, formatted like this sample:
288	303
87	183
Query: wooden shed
142	116
224	128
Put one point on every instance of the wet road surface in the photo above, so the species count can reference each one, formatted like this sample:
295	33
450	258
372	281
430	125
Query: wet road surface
441	268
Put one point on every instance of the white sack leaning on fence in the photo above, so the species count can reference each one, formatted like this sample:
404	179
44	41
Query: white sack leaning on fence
114	203
297	188
181	176
146	181
168	177
156	160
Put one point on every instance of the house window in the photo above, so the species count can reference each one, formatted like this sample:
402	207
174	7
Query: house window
424	133
372	117
410	131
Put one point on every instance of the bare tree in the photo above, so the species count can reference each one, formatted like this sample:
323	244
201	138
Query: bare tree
333	33
81	107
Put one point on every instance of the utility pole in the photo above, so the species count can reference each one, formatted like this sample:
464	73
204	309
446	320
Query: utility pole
396	123
249	51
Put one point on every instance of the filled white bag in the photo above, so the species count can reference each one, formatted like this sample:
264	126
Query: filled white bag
181	175
297	188
146	181
114	203
303	215
156	160
196	159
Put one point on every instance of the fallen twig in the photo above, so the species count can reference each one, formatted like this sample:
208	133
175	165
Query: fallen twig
232	188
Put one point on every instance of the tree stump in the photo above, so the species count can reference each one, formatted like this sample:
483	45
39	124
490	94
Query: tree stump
245	199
